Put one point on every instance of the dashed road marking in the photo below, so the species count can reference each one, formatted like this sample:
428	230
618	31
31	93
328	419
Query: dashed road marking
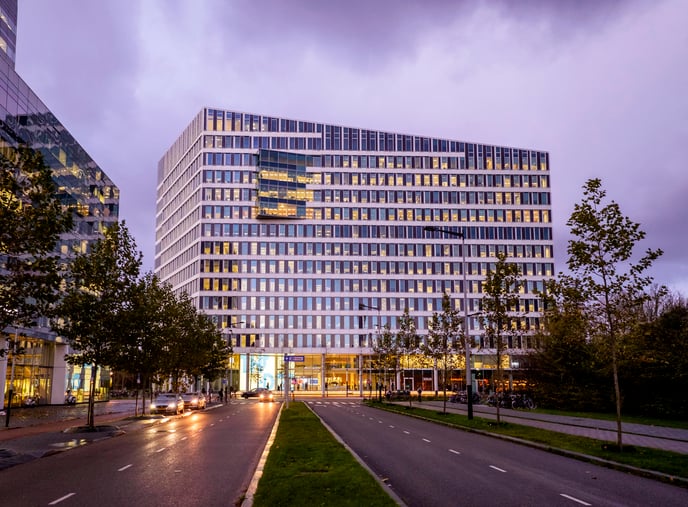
54	502
574	499
426	440
407	432
160	450
453	451
498	469
124	468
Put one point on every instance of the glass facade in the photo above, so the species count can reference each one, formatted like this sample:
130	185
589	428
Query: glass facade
82	185
313	235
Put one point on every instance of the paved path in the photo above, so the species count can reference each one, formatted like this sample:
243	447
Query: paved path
640	435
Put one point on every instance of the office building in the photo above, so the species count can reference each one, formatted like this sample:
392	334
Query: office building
306	239
24	119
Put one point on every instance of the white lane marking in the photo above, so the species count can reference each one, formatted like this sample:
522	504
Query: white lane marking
183	438
391	426
455	452
61	498
426	440
498	469
380	422
124	468
212	425
574	499
407	432
160	450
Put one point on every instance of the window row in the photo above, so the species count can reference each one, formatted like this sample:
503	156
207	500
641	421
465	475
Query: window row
355	285
359	161
385	214
356	319
392	232
293	248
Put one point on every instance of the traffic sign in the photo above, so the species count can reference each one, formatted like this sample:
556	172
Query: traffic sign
294	359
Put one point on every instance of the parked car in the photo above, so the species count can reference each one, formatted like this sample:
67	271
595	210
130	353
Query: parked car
194	401
253	393
266	395
167	403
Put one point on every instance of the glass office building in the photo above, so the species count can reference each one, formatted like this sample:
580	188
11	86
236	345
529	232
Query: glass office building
82	185
307	239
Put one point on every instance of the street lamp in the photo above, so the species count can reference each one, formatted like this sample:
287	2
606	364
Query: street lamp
14	349
230	343
469	381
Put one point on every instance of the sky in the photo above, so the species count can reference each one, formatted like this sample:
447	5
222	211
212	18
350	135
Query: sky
601	85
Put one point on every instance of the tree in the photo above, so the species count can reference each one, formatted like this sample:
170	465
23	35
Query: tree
499	304
95	302
564	367
445	341
407	339
387	351
32	217
144	337
612	286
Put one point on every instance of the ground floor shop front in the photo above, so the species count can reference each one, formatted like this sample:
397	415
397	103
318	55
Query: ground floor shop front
362	374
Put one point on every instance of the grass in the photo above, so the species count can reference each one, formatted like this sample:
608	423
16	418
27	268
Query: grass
308	466
666	462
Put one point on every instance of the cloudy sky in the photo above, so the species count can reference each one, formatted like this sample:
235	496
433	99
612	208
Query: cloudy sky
601	85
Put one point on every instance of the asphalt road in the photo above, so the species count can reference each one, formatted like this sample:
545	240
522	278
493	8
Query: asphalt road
203	458
431	465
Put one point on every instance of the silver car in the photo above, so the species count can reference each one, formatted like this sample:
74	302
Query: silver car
194	401
167	403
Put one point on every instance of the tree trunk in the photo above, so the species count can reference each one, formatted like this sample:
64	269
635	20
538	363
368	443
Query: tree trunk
617	396
91	422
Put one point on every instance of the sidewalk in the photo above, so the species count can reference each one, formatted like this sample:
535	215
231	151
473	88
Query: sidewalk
44	430
639	435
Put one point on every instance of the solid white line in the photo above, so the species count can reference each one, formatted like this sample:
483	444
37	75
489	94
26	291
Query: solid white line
426	440
124	468
455	452
574	499
498	469
62	498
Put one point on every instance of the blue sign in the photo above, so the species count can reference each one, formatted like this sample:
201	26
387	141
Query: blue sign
294	359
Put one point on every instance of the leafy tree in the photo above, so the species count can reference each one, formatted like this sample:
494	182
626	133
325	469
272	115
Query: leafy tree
192	344
407	339
144	336
564	367
445	341
501	288
655	372
96	299
386	349
611	285
32	217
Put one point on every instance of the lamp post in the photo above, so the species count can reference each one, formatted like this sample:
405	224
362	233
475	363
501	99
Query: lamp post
469	381
230	340
13	351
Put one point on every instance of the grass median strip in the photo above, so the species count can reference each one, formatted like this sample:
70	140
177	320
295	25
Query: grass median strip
666	462
307	466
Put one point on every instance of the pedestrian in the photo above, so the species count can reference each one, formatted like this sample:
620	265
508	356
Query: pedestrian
420	392
219	395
